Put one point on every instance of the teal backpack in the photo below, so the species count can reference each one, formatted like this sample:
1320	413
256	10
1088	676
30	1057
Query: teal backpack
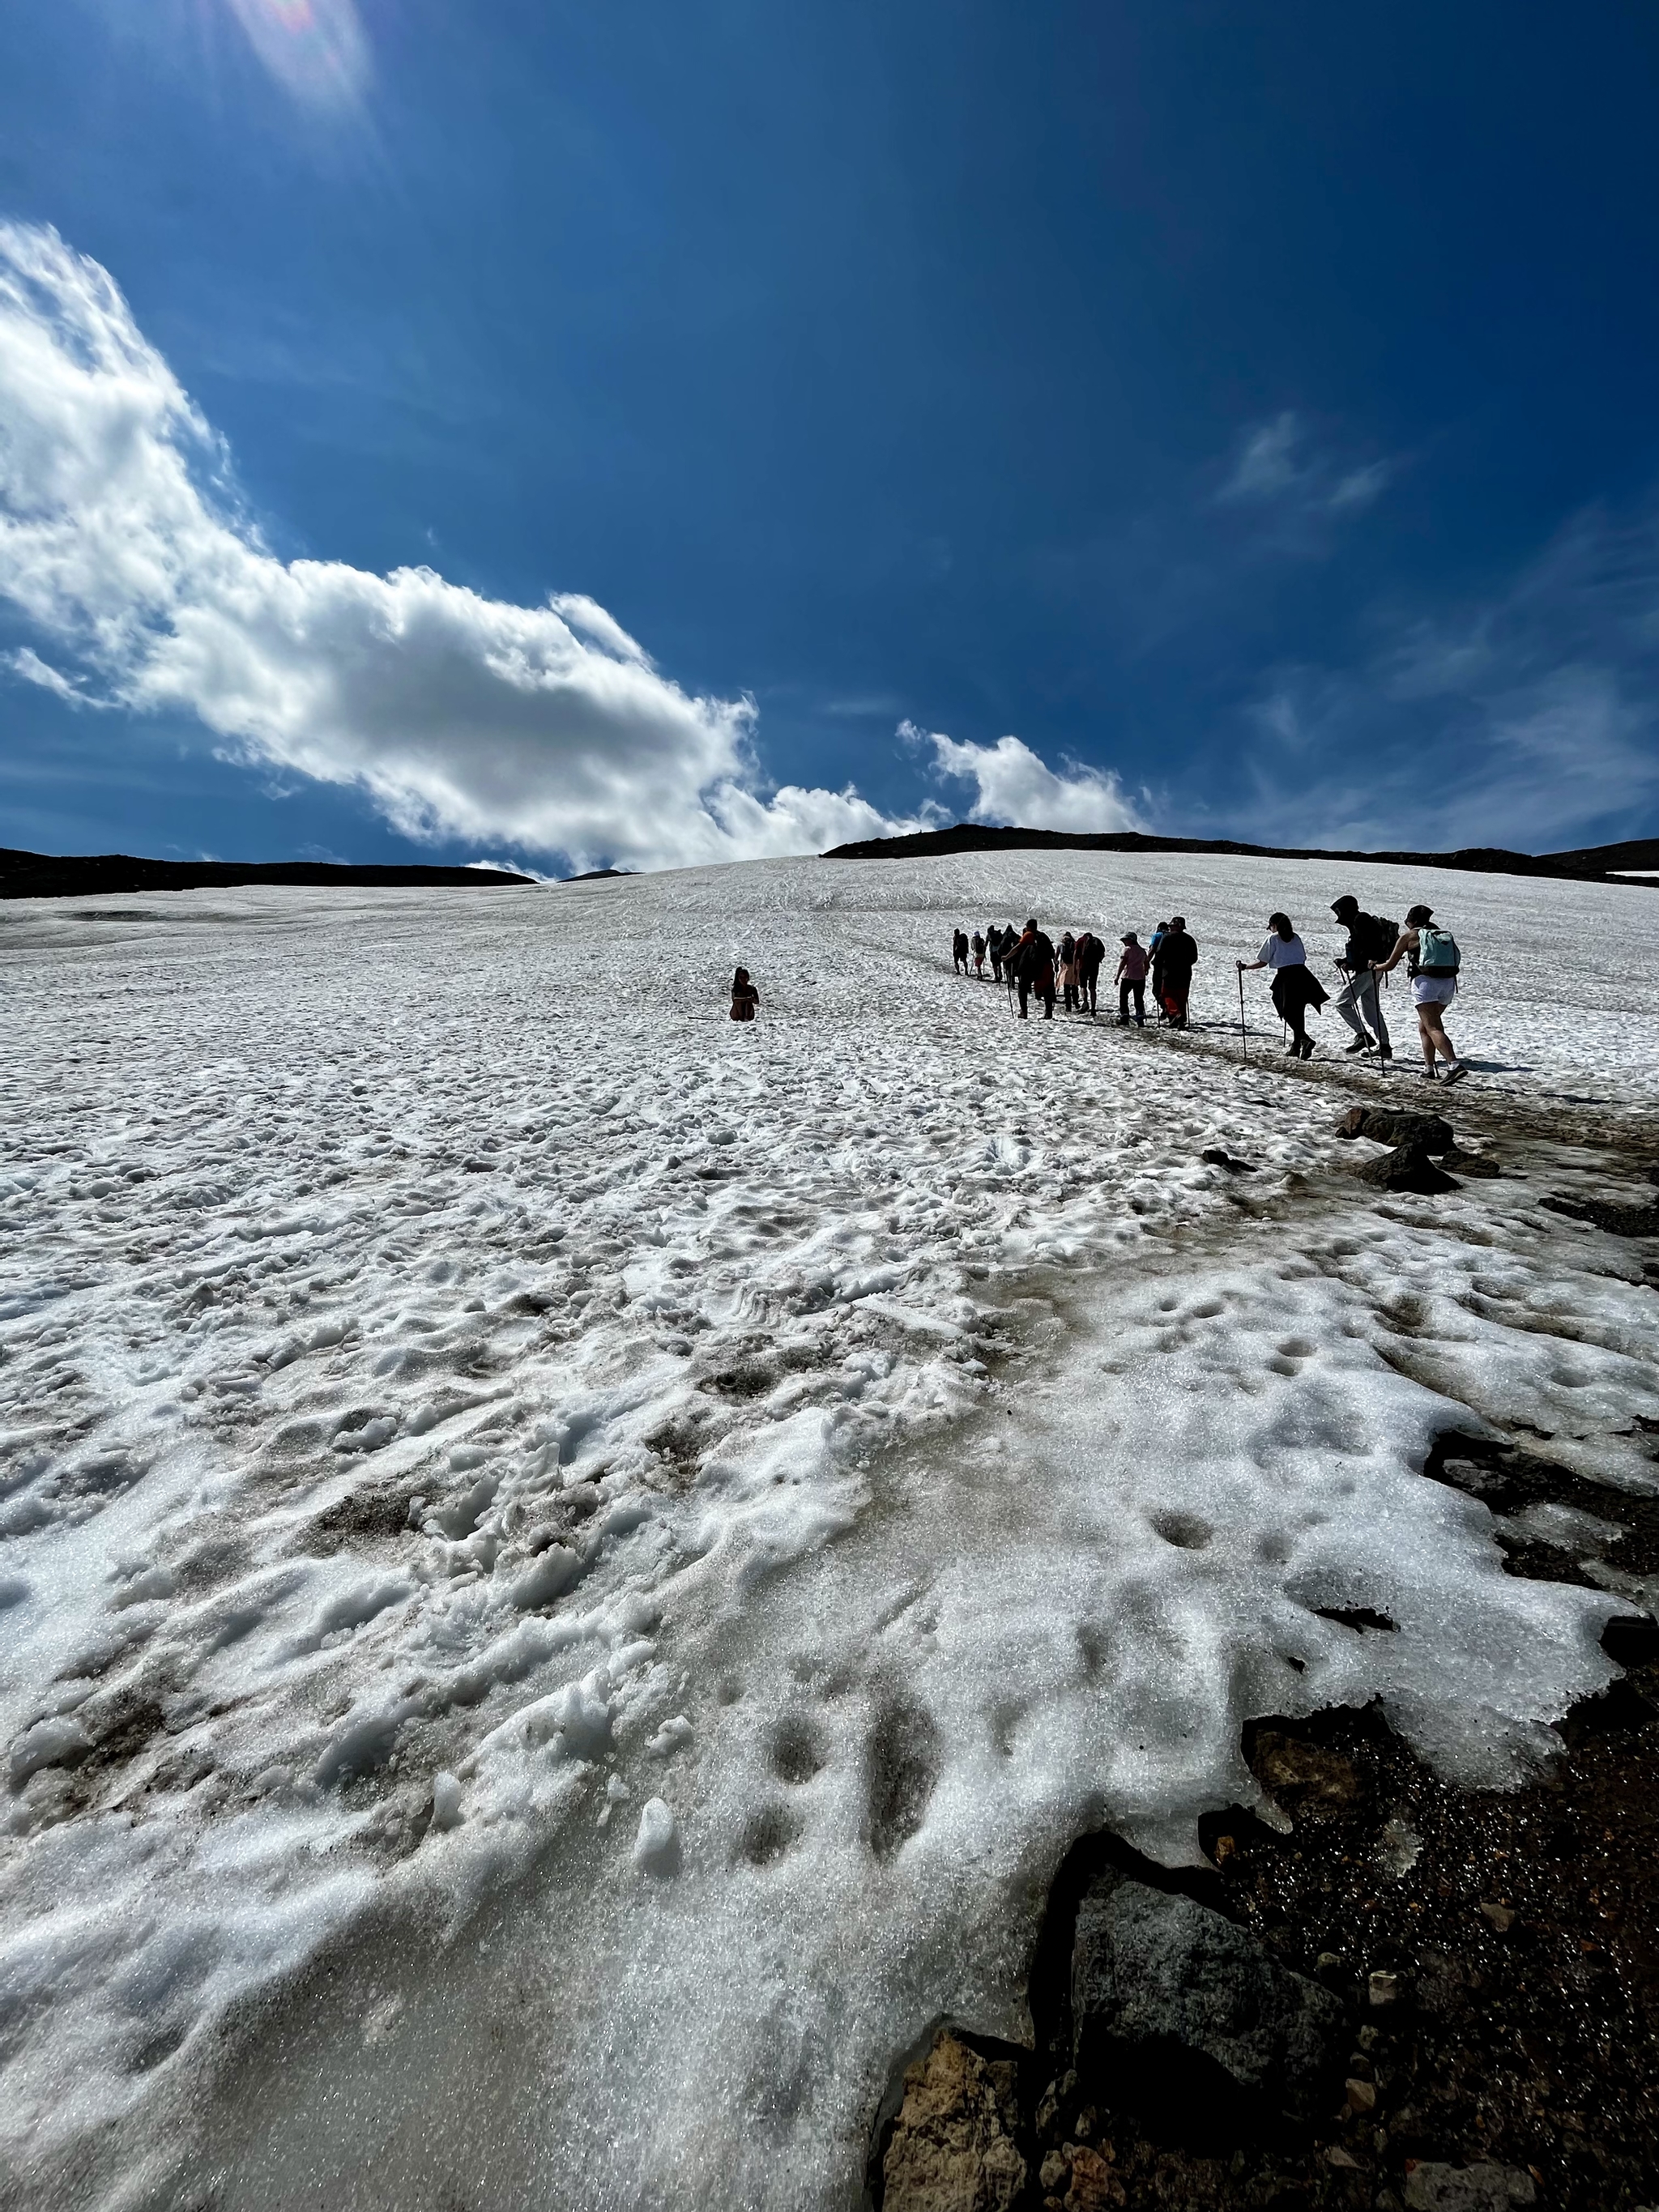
1436	951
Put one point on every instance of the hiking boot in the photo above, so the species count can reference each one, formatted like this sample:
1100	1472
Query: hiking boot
1456	1071
1385	1052
1361	1044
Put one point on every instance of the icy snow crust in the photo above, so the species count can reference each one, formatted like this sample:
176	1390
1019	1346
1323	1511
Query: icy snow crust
570	1567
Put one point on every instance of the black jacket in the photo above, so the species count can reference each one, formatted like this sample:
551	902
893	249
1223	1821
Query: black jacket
1031	959
1177	954
1365	944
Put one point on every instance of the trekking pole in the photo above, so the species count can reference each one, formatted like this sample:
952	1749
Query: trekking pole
1352	986
1375	1044
1244	1035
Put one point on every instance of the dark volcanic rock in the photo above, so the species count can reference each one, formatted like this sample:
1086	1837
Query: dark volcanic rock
1416	1138
1425	1132
1433	2187
1605	1213
1406	1168
1164	1989
953	2146
1469	1163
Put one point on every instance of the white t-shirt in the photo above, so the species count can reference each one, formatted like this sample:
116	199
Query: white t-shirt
1283	952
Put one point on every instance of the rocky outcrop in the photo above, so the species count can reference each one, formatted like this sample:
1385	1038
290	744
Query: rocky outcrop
1418	1139
1427	1132
1606	1213
954	2146
1163	1985
1404	1169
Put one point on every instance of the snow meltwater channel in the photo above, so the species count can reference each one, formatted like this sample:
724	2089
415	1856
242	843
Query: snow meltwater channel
570	1568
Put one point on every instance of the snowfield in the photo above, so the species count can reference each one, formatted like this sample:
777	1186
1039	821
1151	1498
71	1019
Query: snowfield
570	1568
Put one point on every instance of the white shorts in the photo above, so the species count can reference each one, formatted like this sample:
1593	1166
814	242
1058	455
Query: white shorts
1433	990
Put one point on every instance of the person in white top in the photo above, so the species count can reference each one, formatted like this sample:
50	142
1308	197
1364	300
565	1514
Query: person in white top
1296	987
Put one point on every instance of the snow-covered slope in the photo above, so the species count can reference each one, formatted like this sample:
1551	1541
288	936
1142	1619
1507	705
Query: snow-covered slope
570	1567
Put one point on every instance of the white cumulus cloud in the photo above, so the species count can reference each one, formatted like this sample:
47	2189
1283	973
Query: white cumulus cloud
1017	786
546	728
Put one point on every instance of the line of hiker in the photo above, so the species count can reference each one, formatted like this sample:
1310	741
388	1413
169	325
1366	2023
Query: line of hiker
1029	964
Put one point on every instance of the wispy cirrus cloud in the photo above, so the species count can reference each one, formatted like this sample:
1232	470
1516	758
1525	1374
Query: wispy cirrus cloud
26	663
1278	466
548	728
1529	719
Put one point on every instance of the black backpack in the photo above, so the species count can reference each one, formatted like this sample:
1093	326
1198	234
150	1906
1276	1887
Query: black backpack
1380	937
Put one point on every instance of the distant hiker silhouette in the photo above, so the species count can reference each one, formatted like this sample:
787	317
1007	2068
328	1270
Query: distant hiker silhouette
1173	963
1034	970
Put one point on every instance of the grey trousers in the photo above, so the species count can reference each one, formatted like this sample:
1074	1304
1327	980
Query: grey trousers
1358	1005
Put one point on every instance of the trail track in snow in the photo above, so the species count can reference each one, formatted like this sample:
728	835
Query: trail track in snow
462	1390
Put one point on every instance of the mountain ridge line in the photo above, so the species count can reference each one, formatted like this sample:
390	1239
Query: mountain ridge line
1588	864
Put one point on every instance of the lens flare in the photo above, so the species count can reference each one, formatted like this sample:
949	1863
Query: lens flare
316	49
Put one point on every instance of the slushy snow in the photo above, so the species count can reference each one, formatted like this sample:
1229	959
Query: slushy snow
570	1567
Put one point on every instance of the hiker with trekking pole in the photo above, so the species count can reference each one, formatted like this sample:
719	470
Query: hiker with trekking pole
1296	987
1369	939
1435	962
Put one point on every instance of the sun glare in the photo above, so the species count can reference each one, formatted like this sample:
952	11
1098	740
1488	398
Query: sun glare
316	48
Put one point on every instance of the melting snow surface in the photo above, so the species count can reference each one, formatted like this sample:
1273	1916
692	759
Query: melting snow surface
569	1568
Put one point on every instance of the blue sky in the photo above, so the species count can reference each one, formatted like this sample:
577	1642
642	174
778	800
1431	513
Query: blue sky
1236	420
